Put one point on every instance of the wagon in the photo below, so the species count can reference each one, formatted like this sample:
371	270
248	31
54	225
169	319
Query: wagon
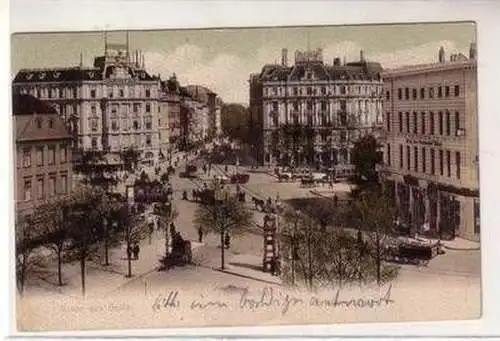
413	252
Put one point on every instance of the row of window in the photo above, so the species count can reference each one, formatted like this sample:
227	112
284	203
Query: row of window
134	140
323	106
44	190
323	91
431	92
125	124
428	122
416	159
324	120
71	93
44	156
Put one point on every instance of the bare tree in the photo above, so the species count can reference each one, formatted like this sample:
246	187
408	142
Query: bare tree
51	217
225	216
27	257
374	214
85	220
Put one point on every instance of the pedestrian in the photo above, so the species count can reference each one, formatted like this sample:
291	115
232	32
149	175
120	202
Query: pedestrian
200	234
136	250
129	252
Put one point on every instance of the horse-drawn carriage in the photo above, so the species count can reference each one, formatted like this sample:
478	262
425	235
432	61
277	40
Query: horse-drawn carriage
412	251
240	178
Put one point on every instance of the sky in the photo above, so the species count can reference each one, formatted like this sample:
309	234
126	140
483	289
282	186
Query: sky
223	59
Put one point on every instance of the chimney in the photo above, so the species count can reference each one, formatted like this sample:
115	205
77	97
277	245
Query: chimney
441	55
284	57
336	61
472	51
361	56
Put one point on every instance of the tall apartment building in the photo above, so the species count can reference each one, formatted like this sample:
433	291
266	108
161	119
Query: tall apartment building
170	95
209	98
431	148
42	155
311	113
110	107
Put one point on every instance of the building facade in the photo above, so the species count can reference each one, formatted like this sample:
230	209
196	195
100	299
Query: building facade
311	113
431	146
110	107
209	98
42	156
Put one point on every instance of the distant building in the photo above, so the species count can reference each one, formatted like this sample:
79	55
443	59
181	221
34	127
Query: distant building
43	153
170	94
311	113
111	106
209	98
431	147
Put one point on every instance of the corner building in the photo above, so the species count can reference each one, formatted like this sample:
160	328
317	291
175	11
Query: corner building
111	106
311	113
431	160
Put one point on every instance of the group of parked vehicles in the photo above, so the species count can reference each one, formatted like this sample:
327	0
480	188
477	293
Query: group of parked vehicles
308	178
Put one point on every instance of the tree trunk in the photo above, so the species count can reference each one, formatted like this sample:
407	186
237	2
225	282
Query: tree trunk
59	266
82	273
379	261
106	250
310	265
222	249
166	239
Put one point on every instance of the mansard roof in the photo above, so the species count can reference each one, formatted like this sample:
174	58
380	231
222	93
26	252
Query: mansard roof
75	74
351	71
35	120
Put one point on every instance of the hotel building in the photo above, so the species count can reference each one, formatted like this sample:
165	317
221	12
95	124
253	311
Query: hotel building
311	113
111	106
431	145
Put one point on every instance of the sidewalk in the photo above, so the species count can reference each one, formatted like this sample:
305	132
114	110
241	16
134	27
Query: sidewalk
460	244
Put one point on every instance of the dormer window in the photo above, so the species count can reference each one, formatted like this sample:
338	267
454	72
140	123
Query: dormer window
51	123
41	75
29	76
56	75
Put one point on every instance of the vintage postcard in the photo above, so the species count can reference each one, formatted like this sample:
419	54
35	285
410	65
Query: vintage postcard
240	177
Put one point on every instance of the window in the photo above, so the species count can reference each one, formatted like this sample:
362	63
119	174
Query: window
414	93
39	156
457	121
64	184
477	220
122	93
94	124
448	163
408	158
387	95
136	124
148	122
423	124
400	122
26	157
440	123
51	155
433	162
323	90
27	190
401	156
92	93
389	154
114	125
93	110
424	160
431	92
407	93
415	158
93	143
148	107
63	151
448	124
40	188
431	123
125	124
295	91
458	162
447	91
415	125
114	111
136	107
440	91
441	162
407	122
457	90
422	93
388	121
148	140
52	185
400	93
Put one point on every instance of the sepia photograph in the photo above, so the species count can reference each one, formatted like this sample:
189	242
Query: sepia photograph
245	176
